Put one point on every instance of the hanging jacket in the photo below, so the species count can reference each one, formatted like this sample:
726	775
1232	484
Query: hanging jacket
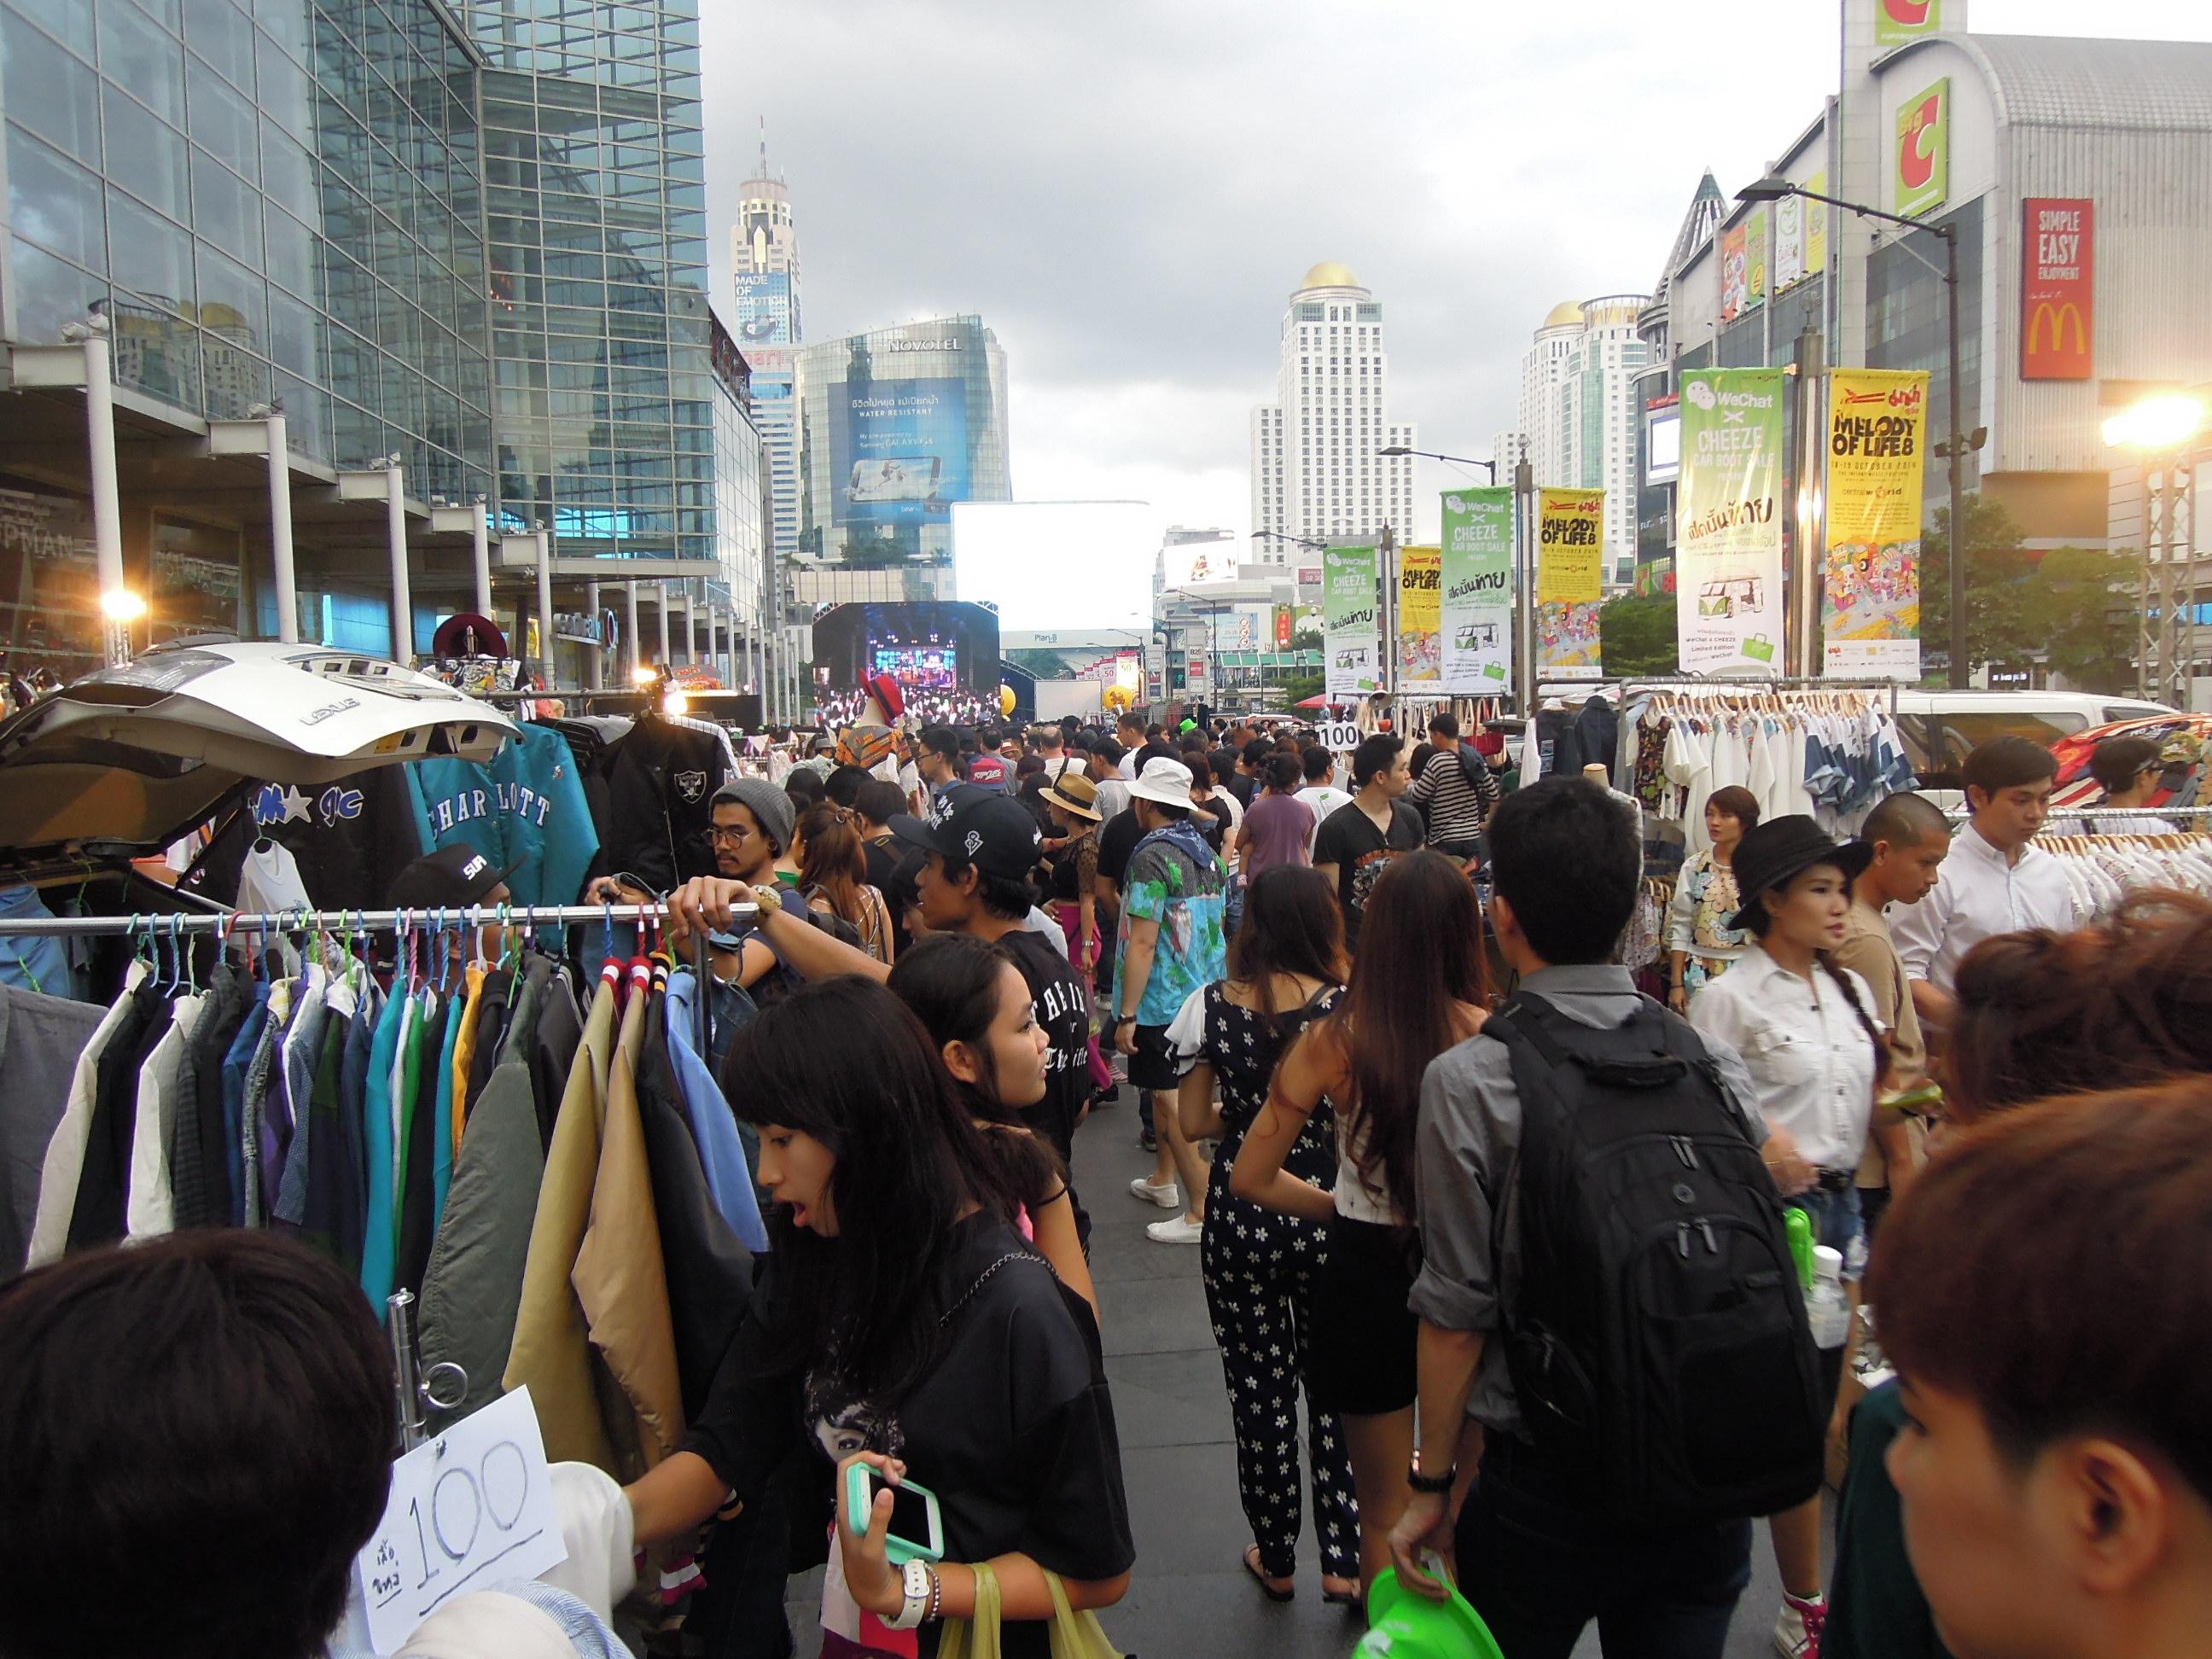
150	1209
32	962
43	1043
1598	734
493	1012
347	839
440	1106
472	1289
552	1037
350	1156
722	1151
710	1273
236	1060
96	1218
418	1169
620	1278
321	1152
199	1174
380	1248
660	796
465	1049
551	1355
527	809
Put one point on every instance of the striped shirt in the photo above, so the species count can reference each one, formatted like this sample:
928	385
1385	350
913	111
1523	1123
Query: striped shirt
1455	810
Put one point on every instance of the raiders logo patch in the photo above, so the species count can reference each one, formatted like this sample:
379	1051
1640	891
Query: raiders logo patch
690	785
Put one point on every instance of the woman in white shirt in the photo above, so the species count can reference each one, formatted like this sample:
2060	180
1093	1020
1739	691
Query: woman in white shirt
1815	1055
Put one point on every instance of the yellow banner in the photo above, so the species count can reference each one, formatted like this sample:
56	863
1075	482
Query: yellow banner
1877	453
1420	614
1570	547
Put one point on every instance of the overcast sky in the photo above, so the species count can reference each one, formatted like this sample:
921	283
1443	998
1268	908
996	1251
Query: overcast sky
1128	193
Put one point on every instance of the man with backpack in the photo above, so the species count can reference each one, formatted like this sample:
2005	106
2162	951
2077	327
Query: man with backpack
1454	792
1607	1287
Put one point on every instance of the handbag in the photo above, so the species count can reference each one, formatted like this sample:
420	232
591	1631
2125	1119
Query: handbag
1075	1635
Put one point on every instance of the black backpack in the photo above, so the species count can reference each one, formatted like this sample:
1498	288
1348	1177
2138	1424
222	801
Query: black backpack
1658	1338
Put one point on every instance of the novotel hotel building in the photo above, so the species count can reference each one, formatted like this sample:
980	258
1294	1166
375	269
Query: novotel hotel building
2077	175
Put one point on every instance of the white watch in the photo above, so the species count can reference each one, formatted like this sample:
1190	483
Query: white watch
917	1598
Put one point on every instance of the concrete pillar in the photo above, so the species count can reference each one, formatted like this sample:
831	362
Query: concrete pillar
403	593
632	655
660	591
117	609
545	651
280	531
595	658
480	551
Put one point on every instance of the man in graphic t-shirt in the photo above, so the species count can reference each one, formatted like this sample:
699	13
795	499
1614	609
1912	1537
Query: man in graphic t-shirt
1355	843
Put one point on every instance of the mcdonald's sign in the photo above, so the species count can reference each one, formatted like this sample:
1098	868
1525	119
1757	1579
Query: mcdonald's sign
2057	288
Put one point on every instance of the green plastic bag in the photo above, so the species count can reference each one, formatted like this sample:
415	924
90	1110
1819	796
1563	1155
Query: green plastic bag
1075	1635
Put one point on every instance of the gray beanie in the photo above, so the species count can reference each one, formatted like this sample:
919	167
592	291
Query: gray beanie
768	804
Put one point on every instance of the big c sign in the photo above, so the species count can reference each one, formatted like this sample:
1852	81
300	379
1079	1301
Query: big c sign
2057	288
1896	21
1921	171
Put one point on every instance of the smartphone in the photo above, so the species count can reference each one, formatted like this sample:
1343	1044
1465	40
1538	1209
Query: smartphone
917	1528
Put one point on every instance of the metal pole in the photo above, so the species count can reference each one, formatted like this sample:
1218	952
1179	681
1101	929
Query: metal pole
1524	613
661	590
1390	663
280	532
595	661
629	628
1959	540
480	552
395	530
218	920
545	648
106	493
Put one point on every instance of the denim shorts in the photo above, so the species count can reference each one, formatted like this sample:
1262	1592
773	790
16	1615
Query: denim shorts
1835	1217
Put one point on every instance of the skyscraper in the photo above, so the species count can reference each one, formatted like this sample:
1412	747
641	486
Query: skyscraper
764	263
1579	413
1315	472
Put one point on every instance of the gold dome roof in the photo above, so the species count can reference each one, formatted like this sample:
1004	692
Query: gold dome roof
1565	314
1329	274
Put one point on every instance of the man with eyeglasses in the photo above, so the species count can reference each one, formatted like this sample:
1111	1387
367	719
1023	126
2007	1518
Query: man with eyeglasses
753	821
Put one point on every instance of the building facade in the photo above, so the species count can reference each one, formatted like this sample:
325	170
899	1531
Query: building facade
1317	469
1578	413
894	426
765	266
744	580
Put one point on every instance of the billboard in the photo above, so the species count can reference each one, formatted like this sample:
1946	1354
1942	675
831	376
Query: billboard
763	309
1920	168
2057	288
1728	558
1475	619
1735	274
1570	581
898	451
1185	562
1420	648
1896	21
1282	627
1877	445
1755	245
1352	642
1662	443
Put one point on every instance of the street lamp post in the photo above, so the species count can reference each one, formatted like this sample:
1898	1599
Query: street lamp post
2163	430
1317	545
1773	188
1490	467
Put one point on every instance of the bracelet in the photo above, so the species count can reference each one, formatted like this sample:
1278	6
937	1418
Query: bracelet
1124	1019
1435	1486
936	1596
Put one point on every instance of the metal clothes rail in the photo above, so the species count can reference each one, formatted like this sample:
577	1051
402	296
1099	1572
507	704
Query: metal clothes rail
231	923
2090	810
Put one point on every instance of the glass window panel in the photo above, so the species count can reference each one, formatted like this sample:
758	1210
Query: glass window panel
224	208
151	257
306	418
234	300
49	91
55	203
291	252
222	119
49	293
289	20
69	22
146	156
168	13
135	52
288	171
295	334
222	33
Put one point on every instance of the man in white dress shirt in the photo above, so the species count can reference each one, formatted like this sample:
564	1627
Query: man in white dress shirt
1994	881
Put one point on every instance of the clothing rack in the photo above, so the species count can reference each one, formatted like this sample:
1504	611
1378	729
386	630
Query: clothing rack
229	923
2090	810
1752	684
413	1388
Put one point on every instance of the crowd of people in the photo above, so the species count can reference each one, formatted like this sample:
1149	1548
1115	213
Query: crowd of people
1548	1263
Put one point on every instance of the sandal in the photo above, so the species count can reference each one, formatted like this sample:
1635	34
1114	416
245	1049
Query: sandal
1252	1567
1346	1598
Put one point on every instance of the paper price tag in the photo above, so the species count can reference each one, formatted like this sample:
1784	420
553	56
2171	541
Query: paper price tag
1340	735
468	1508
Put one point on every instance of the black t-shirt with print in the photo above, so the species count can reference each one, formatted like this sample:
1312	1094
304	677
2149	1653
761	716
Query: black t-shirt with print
1116	842
1348	839
1012	1429
1063	1009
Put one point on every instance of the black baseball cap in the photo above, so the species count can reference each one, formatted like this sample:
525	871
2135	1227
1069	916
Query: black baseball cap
451	878
1775	852
973	825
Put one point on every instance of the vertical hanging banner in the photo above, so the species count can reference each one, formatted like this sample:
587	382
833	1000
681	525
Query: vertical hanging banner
1570	581
1920	170
1816	226
1755	256
1735	273
1877	444
1476	623
1728	540
1420	651
1349	630
2057	288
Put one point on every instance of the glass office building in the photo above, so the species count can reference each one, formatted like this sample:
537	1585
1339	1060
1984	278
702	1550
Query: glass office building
595	210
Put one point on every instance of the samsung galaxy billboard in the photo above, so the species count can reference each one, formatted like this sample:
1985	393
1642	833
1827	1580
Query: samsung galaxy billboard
898	451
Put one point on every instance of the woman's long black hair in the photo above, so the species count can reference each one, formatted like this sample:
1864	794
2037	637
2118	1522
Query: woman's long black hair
1292	926
847	1063
950	981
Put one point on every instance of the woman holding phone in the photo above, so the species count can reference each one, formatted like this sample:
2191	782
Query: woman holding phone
903	1324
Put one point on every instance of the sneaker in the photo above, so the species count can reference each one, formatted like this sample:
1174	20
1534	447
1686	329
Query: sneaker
1182	1229
1797	1631
1166	1197
1146	1141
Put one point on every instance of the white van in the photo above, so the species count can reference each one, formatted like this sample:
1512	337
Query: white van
1940	728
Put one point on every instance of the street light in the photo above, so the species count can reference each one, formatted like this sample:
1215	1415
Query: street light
1455	460
2163	422
2161	430
1772	188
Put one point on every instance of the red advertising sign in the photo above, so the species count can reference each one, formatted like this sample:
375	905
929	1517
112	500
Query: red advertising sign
2057	288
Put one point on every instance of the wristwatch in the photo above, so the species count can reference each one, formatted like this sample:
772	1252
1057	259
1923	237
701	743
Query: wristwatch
1435	1484
916	1588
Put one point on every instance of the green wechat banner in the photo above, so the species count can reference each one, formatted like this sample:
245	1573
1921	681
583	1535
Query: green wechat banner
1728	555
1478	591
1351	628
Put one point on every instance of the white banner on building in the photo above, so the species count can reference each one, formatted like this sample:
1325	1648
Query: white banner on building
1727	602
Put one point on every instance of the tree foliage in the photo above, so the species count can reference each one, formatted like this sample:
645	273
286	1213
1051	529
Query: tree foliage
2081	608
2074	606
1637	635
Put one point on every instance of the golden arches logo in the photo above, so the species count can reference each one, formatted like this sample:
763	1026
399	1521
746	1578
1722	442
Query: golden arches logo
2058	316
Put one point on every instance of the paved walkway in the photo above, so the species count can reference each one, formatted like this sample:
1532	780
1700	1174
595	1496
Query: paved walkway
1190	1598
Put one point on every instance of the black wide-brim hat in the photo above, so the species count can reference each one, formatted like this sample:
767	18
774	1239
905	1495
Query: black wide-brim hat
1775	852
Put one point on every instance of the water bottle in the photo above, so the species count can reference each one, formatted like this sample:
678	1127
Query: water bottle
1826	1307
1800	1226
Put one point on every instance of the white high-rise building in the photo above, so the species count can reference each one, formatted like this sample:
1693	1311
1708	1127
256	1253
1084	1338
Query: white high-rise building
1578	412
764	263
1315	472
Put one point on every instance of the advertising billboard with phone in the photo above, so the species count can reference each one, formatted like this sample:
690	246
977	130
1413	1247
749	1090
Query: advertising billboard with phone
898	451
